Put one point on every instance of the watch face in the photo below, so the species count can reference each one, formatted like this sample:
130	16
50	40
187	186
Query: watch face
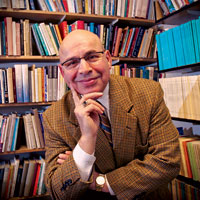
100	180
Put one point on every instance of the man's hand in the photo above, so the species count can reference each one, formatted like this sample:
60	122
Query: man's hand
63	156
87	111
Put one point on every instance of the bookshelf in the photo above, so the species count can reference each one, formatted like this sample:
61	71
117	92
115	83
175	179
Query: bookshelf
39	16
185	185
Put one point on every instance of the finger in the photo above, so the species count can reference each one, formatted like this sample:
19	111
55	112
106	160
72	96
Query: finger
63	156
75	95
93	108
91	101
60	161
68	152
93	95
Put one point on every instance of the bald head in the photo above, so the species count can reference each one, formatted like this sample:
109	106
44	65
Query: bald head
79	37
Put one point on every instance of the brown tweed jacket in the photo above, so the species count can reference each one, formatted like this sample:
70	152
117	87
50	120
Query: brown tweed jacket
145	154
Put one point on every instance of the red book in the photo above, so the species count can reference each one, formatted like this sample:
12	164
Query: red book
80	24
63	29
134	40
65	5
37	179
14	85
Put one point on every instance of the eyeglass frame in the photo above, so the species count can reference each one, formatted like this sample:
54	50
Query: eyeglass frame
83	57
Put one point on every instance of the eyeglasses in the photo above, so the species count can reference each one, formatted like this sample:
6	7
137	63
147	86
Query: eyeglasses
90	58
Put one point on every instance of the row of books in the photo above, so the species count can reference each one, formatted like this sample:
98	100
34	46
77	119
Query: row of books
179	46
190	152
182	96
165	7
17	131
122	42
121	8
129	70
181	190
22	84
16	38
20	178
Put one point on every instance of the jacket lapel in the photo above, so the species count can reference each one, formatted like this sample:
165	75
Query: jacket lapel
123	123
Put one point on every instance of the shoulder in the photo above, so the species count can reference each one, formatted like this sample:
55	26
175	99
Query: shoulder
59	107
138	85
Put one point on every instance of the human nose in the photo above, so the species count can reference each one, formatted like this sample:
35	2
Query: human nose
84	67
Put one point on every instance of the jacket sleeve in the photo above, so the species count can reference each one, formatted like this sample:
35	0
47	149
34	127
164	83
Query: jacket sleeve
160	163
63	181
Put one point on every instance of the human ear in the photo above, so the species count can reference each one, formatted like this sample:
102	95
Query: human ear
108	57
61	70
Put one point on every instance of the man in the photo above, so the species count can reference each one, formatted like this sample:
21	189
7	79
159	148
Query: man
135	158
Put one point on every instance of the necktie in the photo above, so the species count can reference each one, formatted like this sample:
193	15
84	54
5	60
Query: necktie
105	126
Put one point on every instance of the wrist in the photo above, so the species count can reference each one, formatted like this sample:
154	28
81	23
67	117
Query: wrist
88	144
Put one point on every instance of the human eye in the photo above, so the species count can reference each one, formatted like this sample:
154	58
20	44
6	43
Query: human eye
71	64
93	57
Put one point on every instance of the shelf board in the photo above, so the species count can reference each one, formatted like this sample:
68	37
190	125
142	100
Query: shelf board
25	104
182	15
37	197
29	58
186	120
56	59
194	66
22	151
128	59
55	17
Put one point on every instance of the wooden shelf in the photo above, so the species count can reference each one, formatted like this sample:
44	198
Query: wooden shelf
182	15
55	17
25	104
22	151
56	59
37	197
193	67
186	120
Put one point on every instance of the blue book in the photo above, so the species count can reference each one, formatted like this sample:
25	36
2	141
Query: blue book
3	34
196	39
54	35
48	5
125	41
130	42
191	1
41	39
170	5
178	43
32	5
91	24
38	41
172	52
0	100
191	44
138	42
69	28
185	43
160	56
15	133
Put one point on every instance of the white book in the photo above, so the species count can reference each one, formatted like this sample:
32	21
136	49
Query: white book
30	131
27	5
36	86
175	4
15	172
119	6
33	83
71	6
27	136
2	87
29	177
10	85
89	7
41	177
133	8
11	131
52	5
101	7
52	39
23	179
25	83
3	129
37	139
97	7
138	8
14	38
144	8
47	39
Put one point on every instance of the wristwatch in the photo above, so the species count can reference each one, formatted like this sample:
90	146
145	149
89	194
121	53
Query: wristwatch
100	181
